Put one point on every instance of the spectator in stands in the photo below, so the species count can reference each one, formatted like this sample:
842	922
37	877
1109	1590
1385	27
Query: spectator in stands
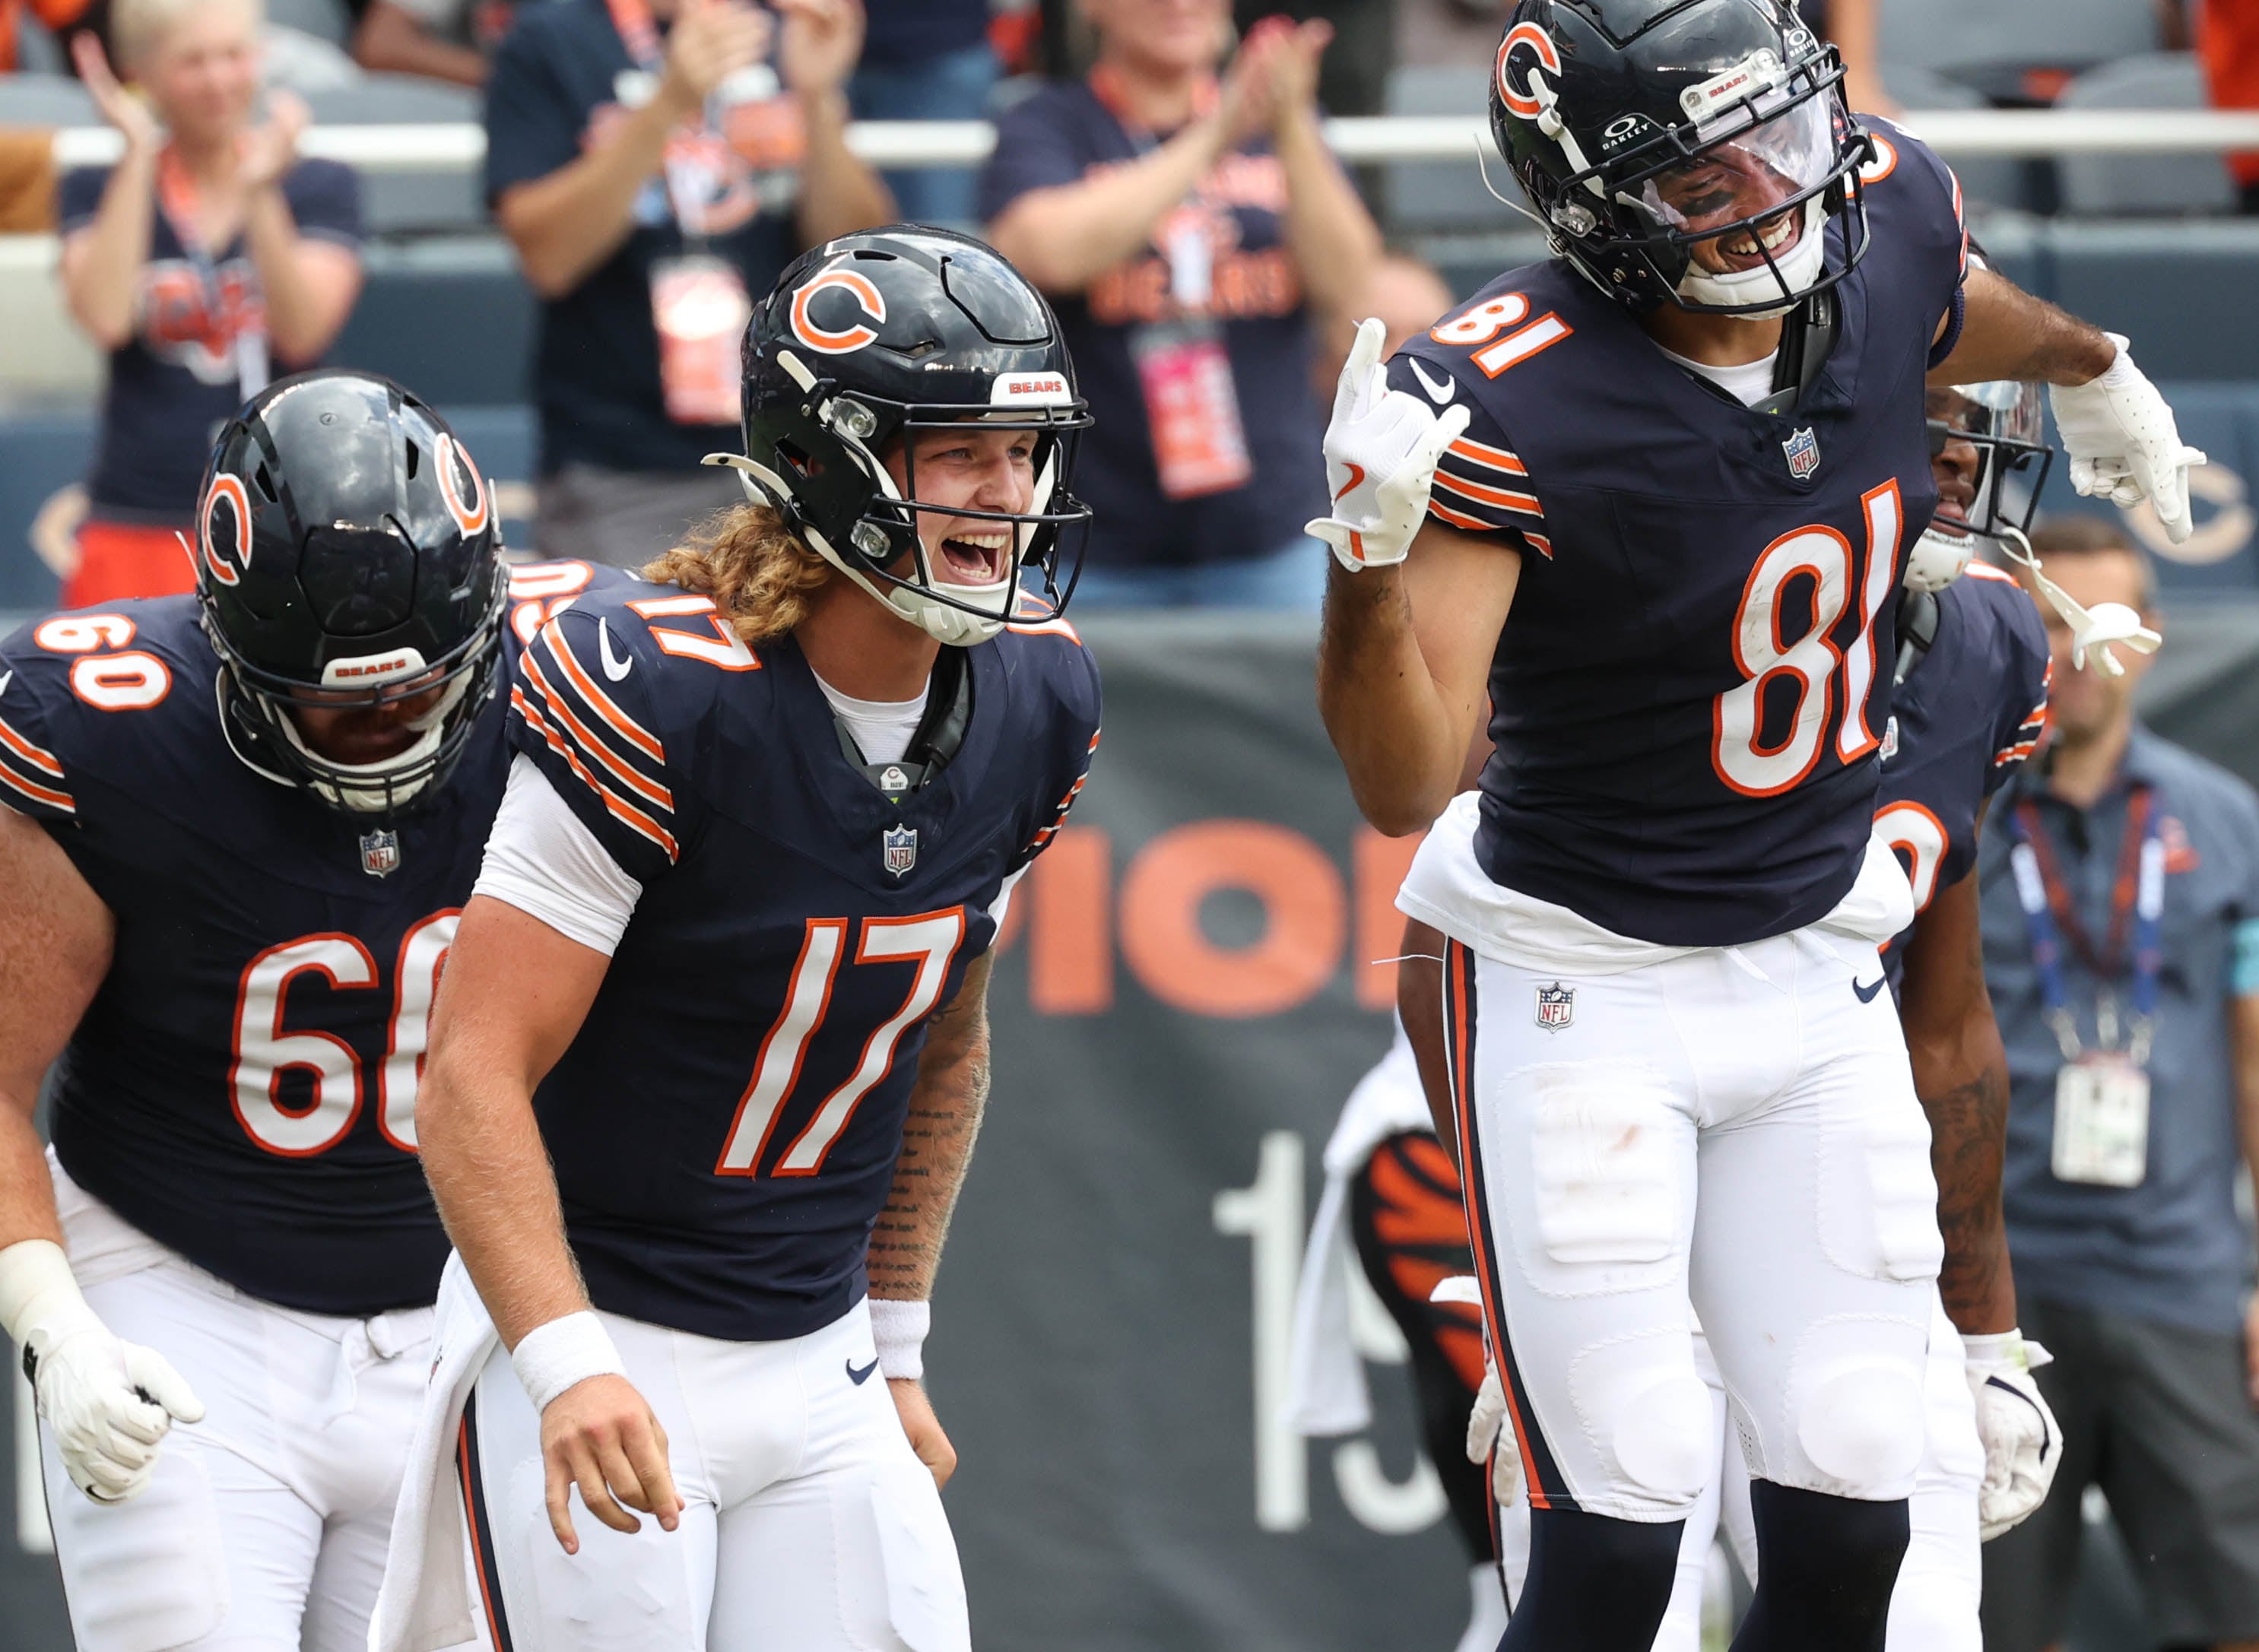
1353	77
1408	296
926	60
2227	41
57	15
2121	880
441	40
1192	232
210	253
655	174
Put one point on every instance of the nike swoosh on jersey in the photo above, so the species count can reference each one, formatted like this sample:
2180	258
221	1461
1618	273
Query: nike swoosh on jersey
859	1377
615	667
1866	994
1439	393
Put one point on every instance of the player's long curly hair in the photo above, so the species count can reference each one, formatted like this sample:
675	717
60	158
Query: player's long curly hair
760	574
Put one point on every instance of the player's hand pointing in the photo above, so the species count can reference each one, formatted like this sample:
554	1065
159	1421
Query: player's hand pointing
601	1436
1381	449
2123	443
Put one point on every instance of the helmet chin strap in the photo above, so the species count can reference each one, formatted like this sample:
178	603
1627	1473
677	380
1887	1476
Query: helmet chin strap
338	781
2095	627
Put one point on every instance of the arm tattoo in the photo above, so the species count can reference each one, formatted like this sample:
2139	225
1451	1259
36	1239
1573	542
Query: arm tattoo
945	1108
1969	1126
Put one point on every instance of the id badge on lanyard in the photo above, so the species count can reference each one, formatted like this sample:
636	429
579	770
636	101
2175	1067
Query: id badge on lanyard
699	305
246	322
2102	1094
1191	400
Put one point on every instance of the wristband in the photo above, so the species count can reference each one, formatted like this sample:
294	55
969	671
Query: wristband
40	1304
898	1333
551	1358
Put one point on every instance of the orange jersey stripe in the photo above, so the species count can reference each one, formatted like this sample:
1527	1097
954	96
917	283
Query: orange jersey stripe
1482	453
37	792
598	701
1444	513
626	813
38	757
558	708
1501	497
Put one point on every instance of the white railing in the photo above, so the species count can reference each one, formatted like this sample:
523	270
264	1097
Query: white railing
461	146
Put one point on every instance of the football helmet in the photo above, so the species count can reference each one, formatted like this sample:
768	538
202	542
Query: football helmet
2002	421
1685	152
870	338
348	557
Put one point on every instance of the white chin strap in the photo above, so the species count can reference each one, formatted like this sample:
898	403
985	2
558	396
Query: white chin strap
2095	627
1800	267
1937	559
430	728
939	620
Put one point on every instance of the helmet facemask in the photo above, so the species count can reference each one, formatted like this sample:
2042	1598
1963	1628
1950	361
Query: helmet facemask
848	507
2002	420
257	706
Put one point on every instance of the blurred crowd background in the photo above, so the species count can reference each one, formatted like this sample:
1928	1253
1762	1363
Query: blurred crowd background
563	209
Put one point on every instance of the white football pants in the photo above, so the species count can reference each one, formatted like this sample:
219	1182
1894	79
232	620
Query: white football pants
810	1526
264	1528
1735	1127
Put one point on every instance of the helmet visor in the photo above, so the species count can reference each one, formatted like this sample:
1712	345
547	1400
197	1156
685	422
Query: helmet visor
1733	197
1988	450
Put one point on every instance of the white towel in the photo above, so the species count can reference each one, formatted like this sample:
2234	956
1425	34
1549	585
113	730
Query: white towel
424	1603
1326	1392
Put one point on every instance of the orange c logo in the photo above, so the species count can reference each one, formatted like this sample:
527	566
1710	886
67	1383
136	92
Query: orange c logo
1521	103
471	517
872	302
221	567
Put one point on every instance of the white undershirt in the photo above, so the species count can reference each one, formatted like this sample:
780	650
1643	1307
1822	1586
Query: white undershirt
881	728
1748	382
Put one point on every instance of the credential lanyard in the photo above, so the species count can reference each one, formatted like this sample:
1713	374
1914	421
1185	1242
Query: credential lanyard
2137	902
176	199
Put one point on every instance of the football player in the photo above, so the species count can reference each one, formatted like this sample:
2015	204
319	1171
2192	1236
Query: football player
1685	457
240	824
713	1045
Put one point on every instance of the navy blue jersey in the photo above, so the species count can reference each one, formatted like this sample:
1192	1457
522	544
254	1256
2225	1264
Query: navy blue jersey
1689	691
243	1086
725	1125
1969	713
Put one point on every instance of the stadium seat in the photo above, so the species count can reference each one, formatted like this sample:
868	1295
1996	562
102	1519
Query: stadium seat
449	316
394	203
1995	46
45	100
1994	182
37	50
2128	185
323	19
1436	194
2182	293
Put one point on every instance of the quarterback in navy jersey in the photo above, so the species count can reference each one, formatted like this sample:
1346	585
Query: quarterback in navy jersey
713	1045
239	827
1649	502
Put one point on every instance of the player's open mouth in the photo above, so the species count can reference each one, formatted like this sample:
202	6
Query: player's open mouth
1746	249
977	557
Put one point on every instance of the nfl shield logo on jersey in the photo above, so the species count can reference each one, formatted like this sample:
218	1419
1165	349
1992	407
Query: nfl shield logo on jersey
1890	739
1557	1006
1803	451
901	848
380	853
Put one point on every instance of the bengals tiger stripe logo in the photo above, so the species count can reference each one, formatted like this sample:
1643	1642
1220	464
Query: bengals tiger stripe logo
225	558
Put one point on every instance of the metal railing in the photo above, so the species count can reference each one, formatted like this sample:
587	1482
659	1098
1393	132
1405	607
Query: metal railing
461	146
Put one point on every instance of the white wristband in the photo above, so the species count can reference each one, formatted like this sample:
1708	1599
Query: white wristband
551	1358
898	1332
39	1298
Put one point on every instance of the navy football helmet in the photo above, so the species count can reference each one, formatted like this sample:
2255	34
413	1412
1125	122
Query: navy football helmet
1642	128
2003	422
872	337
348	557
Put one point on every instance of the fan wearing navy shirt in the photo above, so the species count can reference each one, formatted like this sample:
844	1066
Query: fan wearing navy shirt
240	828
713	1045
1672	474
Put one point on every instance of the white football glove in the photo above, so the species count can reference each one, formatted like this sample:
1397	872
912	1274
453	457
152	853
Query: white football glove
1489	1439
1381	449
110	1403
2023	1446
2123	443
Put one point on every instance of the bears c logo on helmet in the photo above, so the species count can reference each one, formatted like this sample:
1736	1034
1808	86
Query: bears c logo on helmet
224	558
471	515
1540	43
838	342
